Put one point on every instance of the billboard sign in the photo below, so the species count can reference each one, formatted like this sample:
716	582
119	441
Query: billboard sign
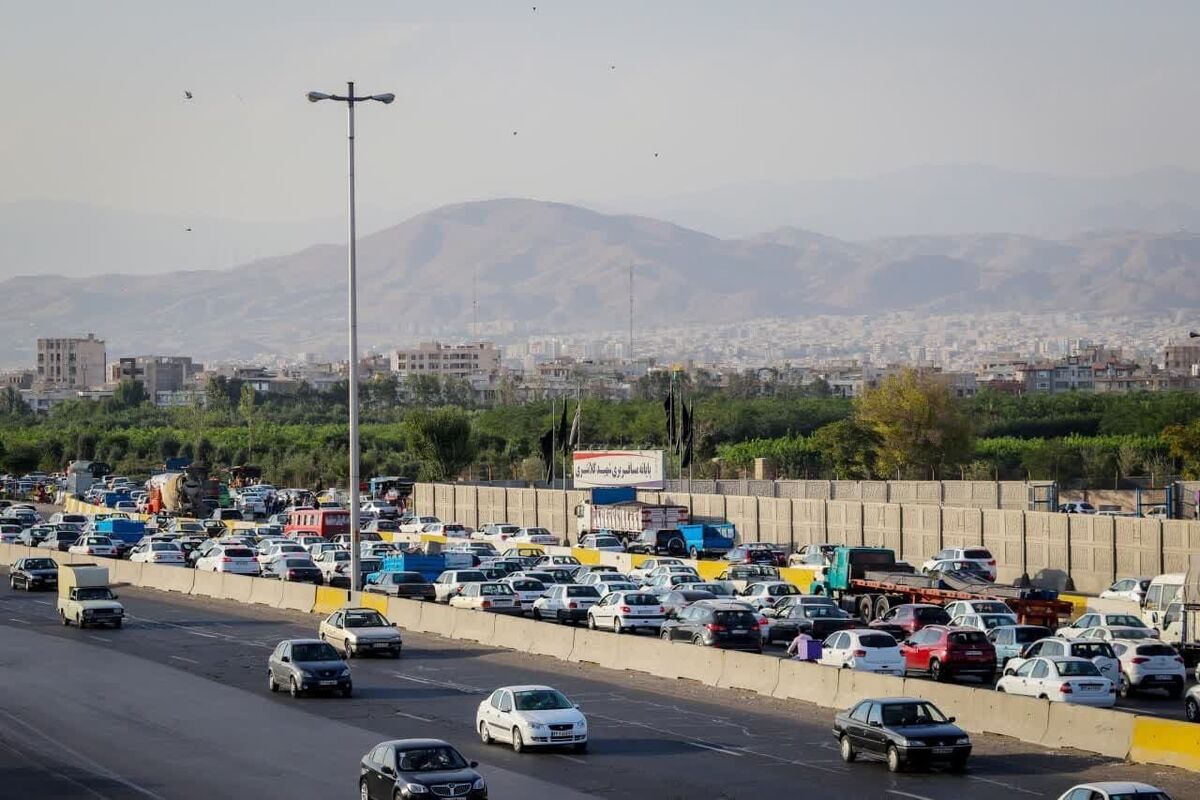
641	469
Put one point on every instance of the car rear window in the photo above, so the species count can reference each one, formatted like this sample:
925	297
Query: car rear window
1085	668
1155	650
641	600
932	615
1030	635
977	553
582	591
470	576
298	562
238	552
735	619
968	637
876	640
1092	649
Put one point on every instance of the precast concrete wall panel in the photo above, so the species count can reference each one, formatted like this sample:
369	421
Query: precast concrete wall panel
922	531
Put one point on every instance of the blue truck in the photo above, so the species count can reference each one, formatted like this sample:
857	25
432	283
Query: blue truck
694	539
430	566
125	533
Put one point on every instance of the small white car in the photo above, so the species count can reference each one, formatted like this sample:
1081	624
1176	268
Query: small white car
643	570
451	530
415	524
158	552
1119	634
983	622
452	582
566	602
236	559
94	546
602	542
606	587
670	569
768	593
332	563
490	596
866	650
1060	680
1131	589
534	536
528	589
595	577
961	607
627	611
1114	790
1150	664
277	549
979	556
531	716
1100	620
1099	653
496	532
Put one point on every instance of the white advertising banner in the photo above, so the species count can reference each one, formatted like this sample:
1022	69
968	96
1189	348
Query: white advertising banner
641	469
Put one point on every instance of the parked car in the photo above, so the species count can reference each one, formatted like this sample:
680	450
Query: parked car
226	515
308	665
904	731
721	589
391	769
496	532
493	596
945	653
751	554
674	601
566	602
627	611
1099	653
451	582
1150	664
1131	589
818	621
414	524
726	624
766	593
813	556
360	632
648	565
1191	704
1114	790
1010	641
531	716
534	536
10	533
408	585
961	607
904	620
33	573
236	559
545	561
981	557
1060	680
742	575
451	530
959	567
1076	507
983	622
1100	620
93	546
296	569
863	649
602	542
61	540
158	552
1119	634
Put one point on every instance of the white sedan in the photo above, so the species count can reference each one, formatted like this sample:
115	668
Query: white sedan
869	651
528	589
152	552
627	611
1061	680
1114	790
983	622
1131	589
643	570
94	546
1099	620
531	716
602	542
490	596
980	557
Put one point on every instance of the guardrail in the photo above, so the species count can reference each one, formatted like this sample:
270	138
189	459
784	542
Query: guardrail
1114	734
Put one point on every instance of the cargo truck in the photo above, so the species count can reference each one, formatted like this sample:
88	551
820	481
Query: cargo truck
694	539
868	581
85	598
617	511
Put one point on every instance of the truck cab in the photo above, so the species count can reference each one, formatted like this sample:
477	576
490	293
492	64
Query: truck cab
84	597
849	564
707	540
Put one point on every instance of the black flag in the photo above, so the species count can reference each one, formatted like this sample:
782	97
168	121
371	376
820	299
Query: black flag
669	408
547	443
689	423
564	431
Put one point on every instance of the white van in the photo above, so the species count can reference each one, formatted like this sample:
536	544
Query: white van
1164	609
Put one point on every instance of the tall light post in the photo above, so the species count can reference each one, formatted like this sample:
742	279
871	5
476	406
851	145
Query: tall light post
350	99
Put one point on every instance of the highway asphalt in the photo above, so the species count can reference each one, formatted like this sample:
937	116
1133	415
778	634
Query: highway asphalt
175	705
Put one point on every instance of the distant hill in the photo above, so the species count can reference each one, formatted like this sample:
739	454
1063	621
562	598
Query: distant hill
554	267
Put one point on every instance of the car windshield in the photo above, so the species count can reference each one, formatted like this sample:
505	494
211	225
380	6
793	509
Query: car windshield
540	700
40	563
1155	650
1125	620
495	588
822	612
1030	635
902	715
529	585
407	577
1133	633
582	591
990	607
735	619
1092	649
977	553
94	593
607	541
932	616
995	620
640	600
1076	668
876	640
430	759
365	619
470	576
314	651
297	563
973	638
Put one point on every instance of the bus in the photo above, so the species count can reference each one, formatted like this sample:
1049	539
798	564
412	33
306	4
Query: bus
327	522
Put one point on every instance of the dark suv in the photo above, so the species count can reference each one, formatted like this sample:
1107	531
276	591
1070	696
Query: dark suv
726	624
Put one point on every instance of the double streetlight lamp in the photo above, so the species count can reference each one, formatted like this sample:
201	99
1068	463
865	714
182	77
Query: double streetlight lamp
350	99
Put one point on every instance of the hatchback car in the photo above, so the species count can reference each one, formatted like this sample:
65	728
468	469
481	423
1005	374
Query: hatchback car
1150	664
1114	790
361	632
863	649
981	557
983	622
627	611
1101	620
1131	589
531	716
294	569
1099	653
1010	641
766	594
307	665
1191	704
904	731
418	768
1060	680
492	596
944	652
566	602
726	624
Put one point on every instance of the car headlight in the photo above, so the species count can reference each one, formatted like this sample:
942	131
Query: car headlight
345	673
537	726
416	788
962	740
911	742
478	784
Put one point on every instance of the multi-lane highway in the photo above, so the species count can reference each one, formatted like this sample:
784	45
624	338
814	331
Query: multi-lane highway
175	705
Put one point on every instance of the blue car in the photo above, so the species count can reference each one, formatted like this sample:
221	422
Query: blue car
1011	640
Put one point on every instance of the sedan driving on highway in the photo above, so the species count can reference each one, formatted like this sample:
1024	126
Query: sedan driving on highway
93	546
531	716
904	731
361	632
1063	679
307	665
403	769
33	574
229	558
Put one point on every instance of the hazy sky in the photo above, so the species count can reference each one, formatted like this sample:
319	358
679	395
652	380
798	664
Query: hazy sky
724	92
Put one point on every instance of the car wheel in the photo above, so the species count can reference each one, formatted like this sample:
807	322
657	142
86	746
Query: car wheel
1191	709
363	792
350	651
846	747
537	615
894	763
118	623
79	620
665	634
560	617
12	584
1126	690
271	684
591	623
63	616
697	639
694	553
936	672
618	628
484	735
518	744
1000	689
294	688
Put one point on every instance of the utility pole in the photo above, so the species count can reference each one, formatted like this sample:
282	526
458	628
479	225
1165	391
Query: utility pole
631	311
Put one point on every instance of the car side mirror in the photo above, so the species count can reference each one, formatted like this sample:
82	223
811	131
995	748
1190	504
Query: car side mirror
472	764
286	659
875	724
388	770
951	719
116	596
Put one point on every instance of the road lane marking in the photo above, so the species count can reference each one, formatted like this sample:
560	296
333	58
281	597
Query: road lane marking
460	687
572	759
907	794
712	747
205	635
99	638
187	660
1004	785
33	758
22	621
43	602
417	717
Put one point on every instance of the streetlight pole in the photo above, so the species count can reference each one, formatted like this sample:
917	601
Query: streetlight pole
350	99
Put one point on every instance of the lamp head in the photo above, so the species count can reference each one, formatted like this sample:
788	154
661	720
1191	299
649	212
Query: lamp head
315	96
384	98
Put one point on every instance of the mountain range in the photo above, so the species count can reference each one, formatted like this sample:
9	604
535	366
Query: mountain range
543	267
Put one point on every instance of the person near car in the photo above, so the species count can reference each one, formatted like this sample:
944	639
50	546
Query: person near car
798	647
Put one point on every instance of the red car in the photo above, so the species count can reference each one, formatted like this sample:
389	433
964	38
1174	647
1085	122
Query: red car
905	620
946	652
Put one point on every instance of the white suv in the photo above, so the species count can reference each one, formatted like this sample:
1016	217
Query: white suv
451	582
980	556
232	558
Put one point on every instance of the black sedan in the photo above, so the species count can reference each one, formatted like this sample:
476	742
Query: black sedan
905	731
817	621
33	573
297	570
418	768
409	585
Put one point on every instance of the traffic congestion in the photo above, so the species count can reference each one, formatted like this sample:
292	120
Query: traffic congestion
1010	644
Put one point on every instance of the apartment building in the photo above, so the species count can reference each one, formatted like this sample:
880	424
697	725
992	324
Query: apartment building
157	373
446	360
71	363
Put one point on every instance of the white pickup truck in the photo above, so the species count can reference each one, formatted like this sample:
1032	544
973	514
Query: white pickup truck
85	598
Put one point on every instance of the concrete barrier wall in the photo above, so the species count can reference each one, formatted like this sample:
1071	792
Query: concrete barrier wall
1003	534
1093	729
881	526
1180	538
207	584
300	597
172	579
423	499
1164	741
236	587
522	507
743	512
552	511
922	528
775	521
962	527
466	507
1092	563
1141	549
266	592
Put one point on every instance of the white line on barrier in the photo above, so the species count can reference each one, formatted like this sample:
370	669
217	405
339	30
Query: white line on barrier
22	621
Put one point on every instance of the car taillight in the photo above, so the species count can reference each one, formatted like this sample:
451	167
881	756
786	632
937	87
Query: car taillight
291	573
1066	688
87	551
625	609
1179	659
992	562
572	605
1140	660
747	560
226	560
662	610
860	653
486	604
754	626
714	627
